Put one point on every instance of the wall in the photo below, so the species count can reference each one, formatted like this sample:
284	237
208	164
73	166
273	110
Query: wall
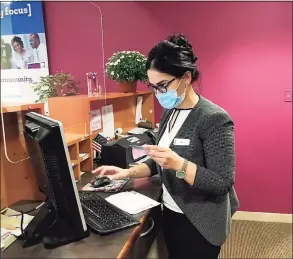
246	66
74	35
245	56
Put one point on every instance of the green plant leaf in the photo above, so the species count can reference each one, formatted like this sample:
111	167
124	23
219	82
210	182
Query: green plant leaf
50	86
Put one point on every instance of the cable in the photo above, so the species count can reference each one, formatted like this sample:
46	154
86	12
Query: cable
4	142
21	223
103	50
29	211
104	79
22	216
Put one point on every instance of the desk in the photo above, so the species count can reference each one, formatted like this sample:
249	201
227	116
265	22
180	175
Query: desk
124	244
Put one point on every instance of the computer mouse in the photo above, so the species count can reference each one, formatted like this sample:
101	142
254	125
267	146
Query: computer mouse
100	182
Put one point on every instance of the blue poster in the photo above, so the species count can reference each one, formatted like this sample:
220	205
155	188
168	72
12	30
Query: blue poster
24	57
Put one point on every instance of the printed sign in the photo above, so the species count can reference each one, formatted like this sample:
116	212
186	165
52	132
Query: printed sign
24	56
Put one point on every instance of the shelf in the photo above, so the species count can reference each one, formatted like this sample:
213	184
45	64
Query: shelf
86	164
80	152
76	171
15	107
74	112
84	156
74	162
72	139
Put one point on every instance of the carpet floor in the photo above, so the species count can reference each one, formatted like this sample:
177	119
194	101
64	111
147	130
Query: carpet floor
248	239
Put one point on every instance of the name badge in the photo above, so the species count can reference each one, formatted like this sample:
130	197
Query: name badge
181	142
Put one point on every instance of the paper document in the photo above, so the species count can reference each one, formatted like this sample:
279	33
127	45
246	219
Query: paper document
95	120
137	131
10	226
138	114
132	202
6	238
108	121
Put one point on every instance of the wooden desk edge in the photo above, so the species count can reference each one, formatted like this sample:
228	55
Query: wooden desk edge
134	234
15	107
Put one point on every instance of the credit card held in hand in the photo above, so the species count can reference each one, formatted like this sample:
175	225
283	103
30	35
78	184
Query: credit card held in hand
140	148
138	152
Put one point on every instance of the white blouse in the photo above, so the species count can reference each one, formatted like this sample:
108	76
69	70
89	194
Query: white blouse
174	124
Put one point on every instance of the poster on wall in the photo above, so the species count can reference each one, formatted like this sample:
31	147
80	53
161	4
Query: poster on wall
24	57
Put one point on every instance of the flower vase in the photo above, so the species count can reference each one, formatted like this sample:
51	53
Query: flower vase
127	87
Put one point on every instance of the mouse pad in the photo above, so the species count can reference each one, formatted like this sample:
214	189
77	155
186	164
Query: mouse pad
114	186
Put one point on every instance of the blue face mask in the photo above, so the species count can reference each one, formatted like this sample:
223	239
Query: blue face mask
170	99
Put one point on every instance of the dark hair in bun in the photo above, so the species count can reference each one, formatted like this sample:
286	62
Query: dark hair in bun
173	56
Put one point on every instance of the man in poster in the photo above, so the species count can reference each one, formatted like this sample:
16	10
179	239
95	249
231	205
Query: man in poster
39	49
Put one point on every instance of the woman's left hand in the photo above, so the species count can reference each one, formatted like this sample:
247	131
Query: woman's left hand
165	157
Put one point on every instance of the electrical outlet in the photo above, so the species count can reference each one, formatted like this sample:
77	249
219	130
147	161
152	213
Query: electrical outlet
288	96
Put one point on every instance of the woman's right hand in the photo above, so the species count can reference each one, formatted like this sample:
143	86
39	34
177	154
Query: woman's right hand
112	172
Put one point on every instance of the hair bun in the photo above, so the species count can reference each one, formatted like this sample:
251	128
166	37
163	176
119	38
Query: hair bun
194	58
182	42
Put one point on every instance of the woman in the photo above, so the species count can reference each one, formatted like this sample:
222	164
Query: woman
22	56
194	156
6	55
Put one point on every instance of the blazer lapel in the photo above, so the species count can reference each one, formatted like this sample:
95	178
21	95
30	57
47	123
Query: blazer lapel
163	124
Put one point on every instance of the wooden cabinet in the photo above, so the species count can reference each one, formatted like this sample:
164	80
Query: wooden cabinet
18	179
74	113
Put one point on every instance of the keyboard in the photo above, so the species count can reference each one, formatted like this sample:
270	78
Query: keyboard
103	217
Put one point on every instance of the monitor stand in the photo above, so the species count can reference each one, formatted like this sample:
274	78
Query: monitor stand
51	229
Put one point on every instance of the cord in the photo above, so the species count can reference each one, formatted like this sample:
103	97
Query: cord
21	223
103	50
104	79
4	142
29	211
22	216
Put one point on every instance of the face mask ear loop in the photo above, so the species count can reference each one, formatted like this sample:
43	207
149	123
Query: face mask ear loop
184	93
178	84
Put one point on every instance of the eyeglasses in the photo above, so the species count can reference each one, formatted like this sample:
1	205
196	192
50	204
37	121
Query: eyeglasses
161	87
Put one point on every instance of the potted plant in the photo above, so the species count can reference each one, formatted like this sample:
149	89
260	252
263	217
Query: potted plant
126	68
59	84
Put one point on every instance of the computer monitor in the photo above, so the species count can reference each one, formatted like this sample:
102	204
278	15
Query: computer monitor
60	221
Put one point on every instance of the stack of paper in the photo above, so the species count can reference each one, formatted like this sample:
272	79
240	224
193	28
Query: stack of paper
132	202
137	131
108	121
10	226
95	120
